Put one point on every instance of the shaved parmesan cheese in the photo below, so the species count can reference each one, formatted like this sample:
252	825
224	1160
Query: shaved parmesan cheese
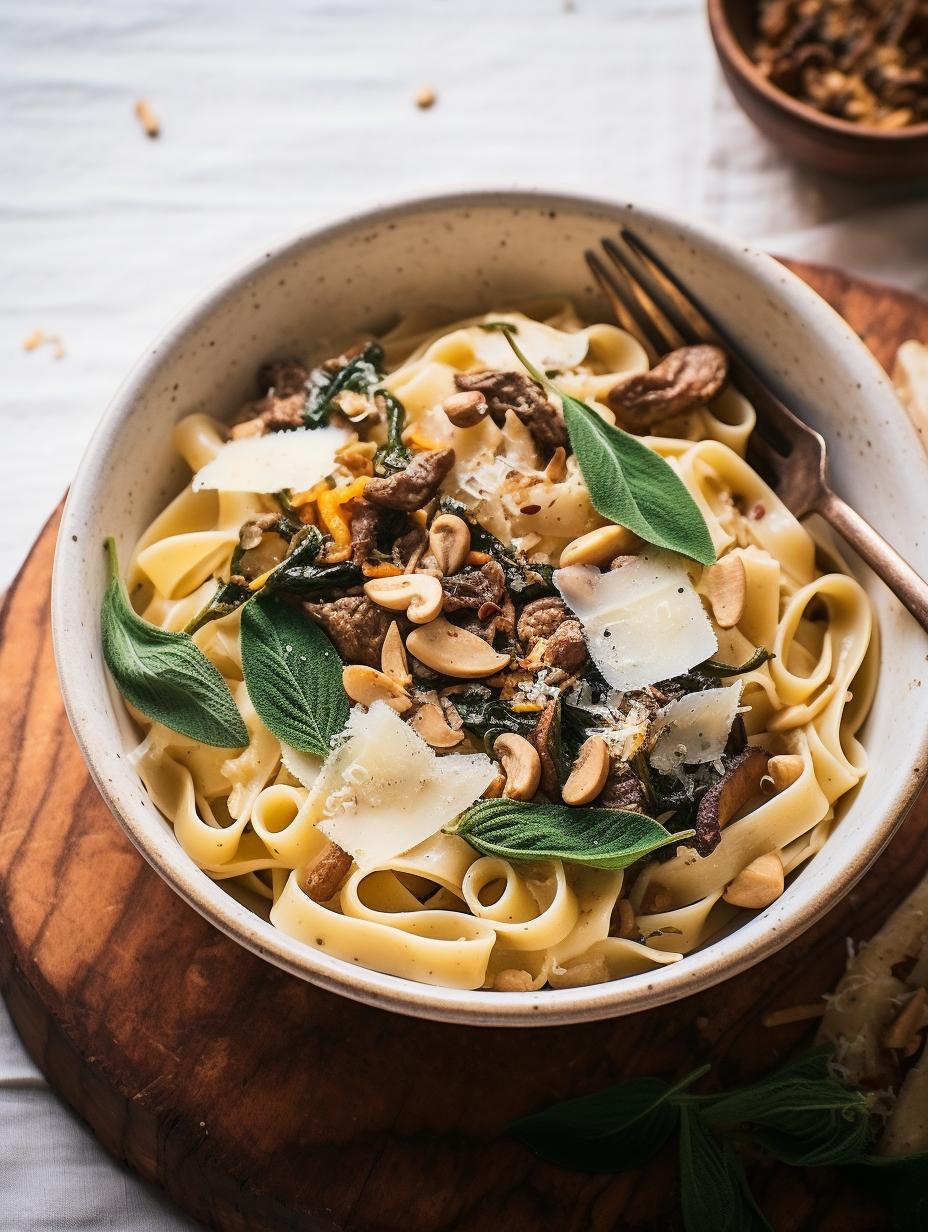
694	729
643	622
271	463
384	790
304	767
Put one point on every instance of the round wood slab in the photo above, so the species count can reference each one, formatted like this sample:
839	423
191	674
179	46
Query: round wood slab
260	1103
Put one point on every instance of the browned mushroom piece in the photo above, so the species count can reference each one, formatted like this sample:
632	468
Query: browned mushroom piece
541	738
356	626
474	588
415	486
623	790
540	619
320	879
566	647
514	391
364	526
283	378
682	381
738	784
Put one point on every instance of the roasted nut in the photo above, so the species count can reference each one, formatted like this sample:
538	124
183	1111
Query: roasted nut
494	788
320	879
683	380
556	470
513	980
590	771
582	974
393	661
445	648
429	723
758	885
449	541
656	900
417	594
465	409
366	685
599	546
726	589
521	765
785	769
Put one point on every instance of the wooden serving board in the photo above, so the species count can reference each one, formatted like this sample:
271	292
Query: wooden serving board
262	1104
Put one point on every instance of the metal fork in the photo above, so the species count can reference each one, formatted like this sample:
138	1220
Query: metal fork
650	300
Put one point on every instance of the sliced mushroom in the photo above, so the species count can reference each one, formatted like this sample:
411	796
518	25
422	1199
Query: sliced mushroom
726	588
758	885
449	541
393	661
445	648
599	546
723	799
366	685
590	771
321	879
683	380
419	595
521	765
429	723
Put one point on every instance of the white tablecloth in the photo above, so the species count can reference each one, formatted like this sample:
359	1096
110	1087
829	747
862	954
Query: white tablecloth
274	116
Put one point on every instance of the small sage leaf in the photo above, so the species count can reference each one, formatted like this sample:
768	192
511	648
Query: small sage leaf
713	1192
610	1131
163	674
595	837
628	483
293	675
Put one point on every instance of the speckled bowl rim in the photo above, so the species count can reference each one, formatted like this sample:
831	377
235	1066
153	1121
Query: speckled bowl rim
746	946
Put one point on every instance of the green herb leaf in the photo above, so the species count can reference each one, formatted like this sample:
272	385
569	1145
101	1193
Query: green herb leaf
611	1131
392	456
293	675
526	580
713	1190
163	674
228	598
485	716
712	667
595	837
629	483
313	581
801	1114
360	374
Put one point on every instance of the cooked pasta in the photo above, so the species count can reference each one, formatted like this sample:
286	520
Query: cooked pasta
353	851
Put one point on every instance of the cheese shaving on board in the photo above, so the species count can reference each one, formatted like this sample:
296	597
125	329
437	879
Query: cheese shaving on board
385	791
694	729
643	622
274	462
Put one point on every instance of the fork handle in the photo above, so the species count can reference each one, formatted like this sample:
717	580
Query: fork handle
884	560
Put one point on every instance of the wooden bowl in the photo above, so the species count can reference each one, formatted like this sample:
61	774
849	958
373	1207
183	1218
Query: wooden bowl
801	131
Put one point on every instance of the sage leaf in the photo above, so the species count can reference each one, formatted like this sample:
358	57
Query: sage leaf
901	1181
610	1131
360	374
629	483
800	1114
712	667
713	1192
293	675
163	674
595	837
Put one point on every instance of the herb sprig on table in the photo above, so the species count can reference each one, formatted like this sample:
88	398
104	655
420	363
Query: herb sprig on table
801	1115
628	483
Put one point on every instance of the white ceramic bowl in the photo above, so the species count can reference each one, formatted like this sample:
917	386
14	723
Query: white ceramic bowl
461	254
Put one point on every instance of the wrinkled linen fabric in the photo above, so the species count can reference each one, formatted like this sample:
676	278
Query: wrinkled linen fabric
275	117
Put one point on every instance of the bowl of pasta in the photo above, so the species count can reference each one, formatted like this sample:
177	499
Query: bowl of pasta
431	635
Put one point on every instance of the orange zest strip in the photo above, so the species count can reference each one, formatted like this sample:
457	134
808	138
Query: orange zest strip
336	520
379	571
477	558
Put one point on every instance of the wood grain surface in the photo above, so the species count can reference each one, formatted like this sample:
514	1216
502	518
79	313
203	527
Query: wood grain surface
260	1103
